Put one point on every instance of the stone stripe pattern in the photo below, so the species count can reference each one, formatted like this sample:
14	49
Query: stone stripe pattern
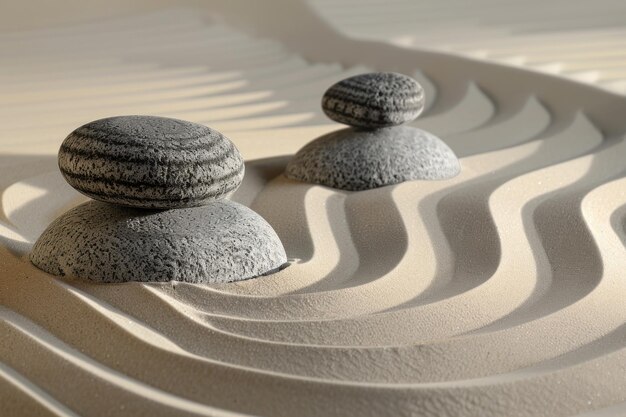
374	100
150	162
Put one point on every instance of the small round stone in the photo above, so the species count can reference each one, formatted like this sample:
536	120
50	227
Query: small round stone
356	160
150	162
374	100
221	242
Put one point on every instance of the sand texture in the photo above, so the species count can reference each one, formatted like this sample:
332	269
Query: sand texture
499	292
579	40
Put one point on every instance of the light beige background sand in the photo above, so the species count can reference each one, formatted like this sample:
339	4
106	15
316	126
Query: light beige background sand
582	40
499	292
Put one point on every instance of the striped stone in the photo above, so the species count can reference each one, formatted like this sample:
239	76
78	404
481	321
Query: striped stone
374	100
150	162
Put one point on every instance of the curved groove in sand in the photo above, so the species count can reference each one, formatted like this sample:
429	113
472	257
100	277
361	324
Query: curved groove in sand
581	42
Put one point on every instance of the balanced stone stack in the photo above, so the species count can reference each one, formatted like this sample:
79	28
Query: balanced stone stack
161	212
376	150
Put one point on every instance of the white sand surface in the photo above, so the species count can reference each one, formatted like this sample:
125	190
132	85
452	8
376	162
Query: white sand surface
581	40
497	293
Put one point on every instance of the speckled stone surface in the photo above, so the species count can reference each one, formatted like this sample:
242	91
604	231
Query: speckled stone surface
355	160
221	242
374	100
150	162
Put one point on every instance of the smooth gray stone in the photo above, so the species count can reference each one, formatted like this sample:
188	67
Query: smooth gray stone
150	162
374	100
356	160
221	242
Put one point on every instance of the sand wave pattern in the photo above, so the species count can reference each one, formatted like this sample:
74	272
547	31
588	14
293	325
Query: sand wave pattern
581	40
499	292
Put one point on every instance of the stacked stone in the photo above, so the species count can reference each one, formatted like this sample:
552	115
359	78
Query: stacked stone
161	211
376	150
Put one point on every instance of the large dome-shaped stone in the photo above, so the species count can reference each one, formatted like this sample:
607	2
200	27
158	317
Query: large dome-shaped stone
221	242
356	160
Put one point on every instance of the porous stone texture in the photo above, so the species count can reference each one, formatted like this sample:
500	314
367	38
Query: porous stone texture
374	100
356	160
221	242
150	162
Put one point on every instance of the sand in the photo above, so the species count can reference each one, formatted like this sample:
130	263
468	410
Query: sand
497	292
581	40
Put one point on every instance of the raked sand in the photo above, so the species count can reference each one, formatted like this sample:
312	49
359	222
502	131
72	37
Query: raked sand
499	292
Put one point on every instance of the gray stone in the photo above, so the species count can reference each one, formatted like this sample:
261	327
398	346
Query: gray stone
374	100
355	160
150	162
220	242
